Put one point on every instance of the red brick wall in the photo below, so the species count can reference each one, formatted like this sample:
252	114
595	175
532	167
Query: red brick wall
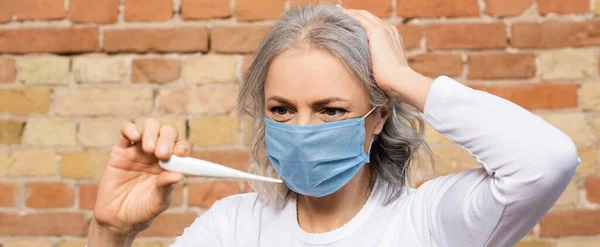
71	71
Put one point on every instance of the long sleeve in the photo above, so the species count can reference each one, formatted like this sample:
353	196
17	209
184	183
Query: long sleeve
527	164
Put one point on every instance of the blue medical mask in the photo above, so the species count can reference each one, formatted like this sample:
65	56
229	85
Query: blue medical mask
317	160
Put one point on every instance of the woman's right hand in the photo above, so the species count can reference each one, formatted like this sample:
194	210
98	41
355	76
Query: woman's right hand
135	189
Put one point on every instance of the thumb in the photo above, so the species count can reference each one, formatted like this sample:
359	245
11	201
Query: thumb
166	180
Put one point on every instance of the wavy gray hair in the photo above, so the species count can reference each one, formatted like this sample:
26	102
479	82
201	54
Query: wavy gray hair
326	27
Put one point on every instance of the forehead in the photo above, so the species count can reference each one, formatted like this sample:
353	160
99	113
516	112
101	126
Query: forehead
311	74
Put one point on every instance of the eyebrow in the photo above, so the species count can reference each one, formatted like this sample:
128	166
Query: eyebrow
321	102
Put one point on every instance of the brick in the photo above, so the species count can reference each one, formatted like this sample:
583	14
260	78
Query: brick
49	132
52	40
215	131
72	244
507	7
147	244
26	243
94	11
83	165
596	8
449	159
213	99
42	70
8	70
234	158
553	34
590	95
592	187
501	65
205	194
434	65
596	125
24	101
178	123
169	225
573	124
87	195
568	64
236	39
251	10
411	36
32	9
49	195
99	69
155	70
294	3
10	131
538	95
103	101
569	223
99	132
466	36
54	223
578	243
563	7
28	163
184	39
204	9
569	197
380	8
210	69
177	195
434	137
437	8
589	160
534	243
148	10
9	192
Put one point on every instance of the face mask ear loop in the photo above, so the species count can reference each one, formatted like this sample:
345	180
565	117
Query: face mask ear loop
369	112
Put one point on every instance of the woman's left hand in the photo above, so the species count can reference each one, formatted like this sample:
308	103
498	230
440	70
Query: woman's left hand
390	66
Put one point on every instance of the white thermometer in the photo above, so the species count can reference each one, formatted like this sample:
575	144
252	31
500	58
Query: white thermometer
197	167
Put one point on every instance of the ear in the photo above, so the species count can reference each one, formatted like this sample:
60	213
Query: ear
384	113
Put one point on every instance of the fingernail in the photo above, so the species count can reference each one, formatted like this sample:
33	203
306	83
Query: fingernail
150	143
164	149
135	134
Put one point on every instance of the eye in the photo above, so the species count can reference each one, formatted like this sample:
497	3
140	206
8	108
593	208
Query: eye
333	114
279	110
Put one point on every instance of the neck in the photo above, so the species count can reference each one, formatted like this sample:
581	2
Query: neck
324	214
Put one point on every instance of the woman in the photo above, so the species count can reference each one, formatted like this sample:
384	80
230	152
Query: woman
326	90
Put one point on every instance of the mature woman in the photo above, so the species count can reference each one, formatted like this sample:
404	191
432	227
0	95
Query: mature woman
327	90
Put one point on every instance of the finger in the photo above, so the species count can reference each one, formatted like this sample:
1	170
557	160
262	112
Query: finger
129	133
167	178
150	136
166	140
182	148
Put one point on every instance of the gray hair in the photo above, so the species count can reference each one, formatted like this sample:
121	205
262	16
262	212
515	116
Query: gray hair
326	27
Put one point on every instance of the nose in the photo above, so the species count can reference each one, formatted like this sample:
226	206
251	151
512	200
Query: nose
305	118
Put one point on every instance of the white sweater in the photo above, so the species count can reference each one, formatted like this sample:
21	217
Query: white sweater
527	164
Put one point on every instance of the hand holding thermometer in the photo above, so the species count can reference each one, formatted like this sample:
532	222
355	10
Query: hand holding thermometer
197	167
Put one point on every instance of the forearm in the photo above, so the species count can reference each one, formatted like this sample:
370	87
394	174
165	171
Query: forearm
99	236
411	87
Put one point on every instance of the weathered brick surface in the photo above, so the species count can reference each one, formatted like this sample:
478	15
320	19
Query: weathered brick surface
437	8
381	8
568	64
43	70
9	192
242	39
155	70
28	163
11	131
507	7
466	36
210	69
214	131
94	11
411	35
251	10
217	99
99	69
103	101
569	223
32	10
83	165
539	95
37	132
204	9
20	101
501	65
55	40
8	71
54	223
99	132
563	7
184	39
553	34
148	10
434	65
49	195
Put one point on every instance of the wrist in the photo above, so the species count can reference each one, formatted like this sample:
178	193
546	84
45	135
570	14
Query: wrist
101	235
411	87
